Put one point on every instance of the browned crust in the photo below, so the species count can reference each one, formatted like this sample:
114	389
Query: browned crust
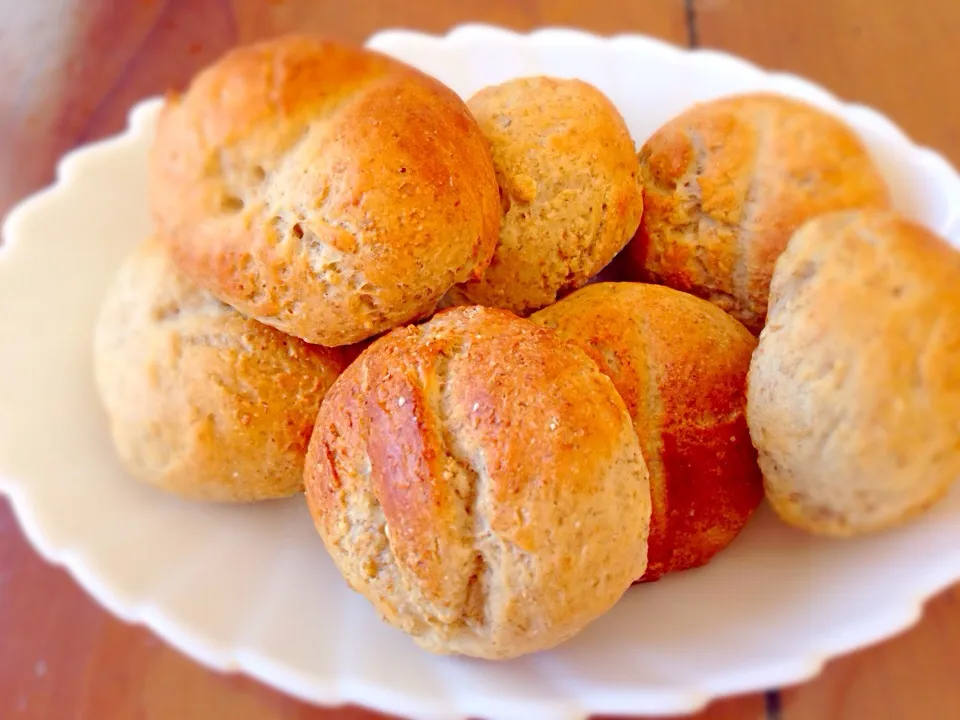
680	365
727	182
479	481
326	190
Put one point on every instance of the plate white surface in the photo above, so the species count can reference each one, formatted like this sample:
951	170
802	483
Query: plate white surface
252	589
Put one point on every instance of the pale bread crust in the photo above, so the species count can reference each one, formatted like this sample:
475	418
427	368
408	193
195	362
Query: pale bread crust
569	184
853	395
201	401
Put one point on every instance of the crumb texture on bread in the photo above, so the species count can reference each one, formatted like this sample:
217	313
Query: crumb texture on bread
569	186
329	191
479	481
680	364
201	401
727	182
854	390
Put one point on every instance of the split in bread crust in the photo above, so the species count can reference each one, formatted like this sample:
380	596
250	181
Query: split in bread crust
727	182
479	481
680	365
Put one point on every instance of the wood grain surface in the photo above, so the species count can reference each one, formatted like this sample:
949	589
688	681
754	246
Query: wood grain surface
71	70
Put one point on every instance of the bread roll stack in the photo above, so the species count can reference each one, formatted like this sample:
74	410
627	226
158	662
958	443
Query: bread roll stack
324	190
493	484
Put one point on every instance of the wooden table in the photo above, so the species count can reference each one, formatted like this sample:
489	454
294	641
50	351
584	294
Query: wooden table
71	69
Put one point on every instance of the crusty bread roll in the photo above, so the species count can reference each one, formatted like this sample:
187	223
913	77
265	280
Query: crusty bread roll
680	364
727	182
201	401
569	185
479	481
854	391
328	191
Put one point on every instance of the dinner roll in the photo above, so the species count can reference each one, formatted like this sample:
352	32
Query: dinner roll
569	187
680	364
201	401
479	481
727	182
853	396
325	190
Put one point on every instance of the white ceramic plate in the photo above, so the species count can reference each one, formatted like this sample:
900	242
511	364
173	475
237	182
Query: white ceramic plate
252	589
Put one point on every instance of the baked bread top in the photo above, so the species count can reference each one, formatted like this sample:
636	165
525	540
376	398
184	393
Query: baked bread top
201	401
727	182
479	481
680	364
854	391
326	190
569	185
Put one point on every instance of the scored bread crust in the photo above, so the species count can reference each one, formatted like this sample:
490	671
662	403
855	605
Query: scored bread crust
680	364
201	401
569	184
853	395
329	191
479	481
727	182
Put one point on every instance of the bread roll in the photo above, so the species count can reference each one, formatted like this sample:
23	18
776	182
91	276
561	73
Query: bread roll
854	390
567	170
479	481
727	182
201	401
680	364
328	191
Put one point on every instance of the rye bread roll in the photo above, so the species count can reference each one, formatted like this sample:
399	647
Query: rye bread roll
568	176
727	182
329	191
680	364
853	397
201	401
479	481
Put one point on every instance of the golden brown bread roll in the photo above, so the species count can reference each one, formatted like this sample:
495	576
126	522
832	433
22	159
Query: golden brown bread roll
680	364
854	391
328	191
201	401
567	171
726	183
479	481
